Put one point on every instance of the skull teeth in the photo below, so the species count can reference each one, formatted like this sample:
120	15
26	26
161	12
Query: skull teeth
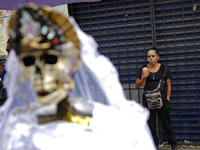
45	87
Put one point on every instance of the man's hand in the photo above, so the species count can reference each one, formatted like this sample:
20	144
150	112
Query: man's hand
145	72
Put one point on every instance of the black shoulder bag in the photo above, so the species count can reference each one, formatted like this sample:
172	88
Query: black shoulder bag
154	97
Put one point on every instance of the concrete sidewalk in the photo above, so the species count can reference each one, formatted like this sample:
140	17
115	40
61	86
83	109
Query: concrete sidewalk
180	147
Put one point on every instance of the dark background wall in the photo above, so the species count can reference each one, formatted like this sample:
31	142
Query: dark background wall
125	29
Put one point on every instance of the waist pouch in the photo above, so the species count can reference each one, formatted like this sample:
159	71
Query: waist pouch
153	99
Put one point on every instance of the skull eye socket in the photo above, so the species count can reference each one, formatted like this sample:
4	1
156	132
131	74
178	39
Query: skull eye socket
28	61
49	59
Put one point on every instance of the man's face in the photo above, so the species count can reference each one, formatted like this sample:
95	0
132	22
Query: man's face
152	57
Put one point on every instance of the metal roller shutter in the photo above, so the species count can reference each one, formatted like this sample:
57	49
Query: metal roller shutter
177	28
125	29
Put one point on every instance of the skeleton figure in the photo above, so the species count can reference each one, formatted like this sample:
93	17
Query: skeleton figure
65	70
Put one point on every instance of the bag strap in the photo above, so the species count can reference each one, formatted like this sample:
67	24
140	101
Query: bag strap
165	73
162	81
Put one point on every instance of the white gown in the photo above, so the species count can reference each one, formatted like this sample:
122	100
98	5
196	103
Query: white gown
118	125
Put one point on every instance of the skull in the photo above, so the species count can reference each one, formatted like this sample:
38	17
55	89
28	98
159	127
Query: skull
49	73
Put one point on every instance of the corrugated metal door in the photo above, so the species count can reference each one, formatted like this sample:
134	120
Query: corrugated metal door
177	26
125	29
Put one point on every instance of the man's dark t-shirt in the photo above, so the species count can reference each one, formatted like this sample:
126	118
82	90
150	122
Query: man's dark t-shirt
153	79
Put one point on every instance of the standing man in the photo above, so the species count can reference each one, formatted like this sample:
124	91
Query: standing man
149	75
